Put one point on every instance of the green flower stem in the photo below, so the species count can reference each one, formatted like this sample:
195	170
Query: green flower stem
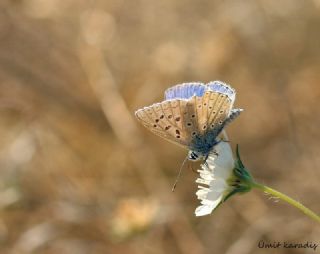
286	198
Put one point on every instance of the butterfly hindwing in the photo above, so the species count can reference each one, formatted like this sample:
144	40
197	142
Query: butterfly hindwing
221	106
207	113
234	113
222	88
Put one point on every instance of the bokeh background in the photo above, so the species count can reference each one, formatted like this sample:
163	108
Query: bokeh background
78	174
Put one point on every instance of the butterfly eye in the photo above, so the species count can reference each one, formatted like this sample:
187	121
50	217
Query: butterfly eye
193	116
189	124
204	127
157	120
220	122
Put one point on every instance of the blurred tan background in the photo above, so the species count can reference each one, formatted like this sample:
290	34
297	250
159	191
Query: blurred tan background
78	174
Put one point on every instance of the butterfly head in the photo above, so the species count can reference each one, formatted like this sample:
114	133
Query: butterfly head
194	156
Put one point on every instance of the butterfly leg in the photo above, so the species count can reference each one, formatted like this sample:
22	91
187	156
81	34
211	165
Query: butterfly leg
206	164
205	161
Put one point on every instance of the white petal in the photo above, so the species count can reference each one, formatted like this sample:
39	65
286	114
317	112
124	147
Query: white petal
203	181
206	174
212	196
221	172
207	208
218	185
214	173
225	158
221	165
202	193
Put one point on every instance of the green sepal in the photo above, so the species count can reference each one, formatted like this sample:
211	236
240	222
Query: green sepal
241	189
230	195
238	157
240	170
241	180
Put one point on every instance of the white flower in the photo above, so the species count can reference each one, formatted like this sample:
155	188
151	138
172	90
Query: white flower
217	174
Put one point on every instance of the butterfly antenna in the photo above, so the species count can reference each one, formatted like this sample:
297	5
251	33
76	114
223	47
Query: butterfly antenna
179	174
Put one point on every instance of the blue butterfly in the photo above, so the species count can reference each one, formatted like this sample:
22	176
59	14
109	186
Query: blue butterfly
192	116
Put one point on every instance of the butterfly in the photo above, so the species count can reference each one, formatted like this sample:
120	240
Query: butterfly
192	116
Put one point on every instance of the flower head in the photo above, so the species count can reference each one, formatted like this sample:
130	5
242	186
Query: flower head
222	176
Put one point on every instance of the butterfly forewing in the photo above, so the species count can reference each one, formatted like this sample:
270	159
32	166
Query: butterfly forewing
185	90
166	120
191	117
148	118
202	105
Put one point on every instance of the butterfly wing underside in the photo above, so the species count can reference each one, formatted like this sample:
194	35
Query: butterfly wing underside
207	113
180	120
166	119
185	91
208	109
